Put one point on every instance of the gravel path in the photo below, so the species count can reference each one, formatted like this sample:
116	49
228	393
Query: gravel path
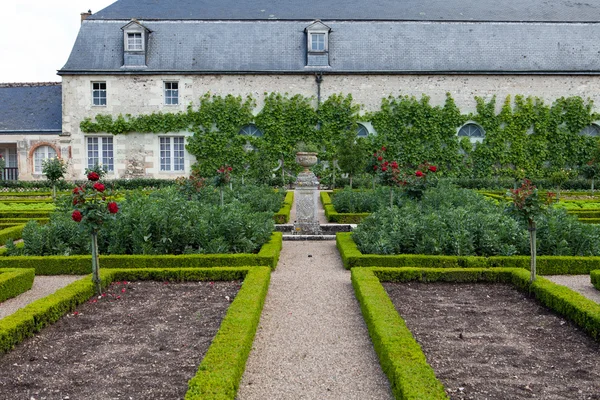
312	342
42	287
579	283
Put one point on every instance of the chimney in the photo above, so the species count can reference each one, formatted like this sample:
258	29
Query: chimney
85	15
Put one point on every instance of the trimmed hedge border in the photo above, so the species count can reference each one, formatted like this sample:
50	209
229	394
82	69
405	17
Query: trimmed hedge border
595	277
546	265
589	220
283	215
268	256
14	281
14	233
25	214
339	218
219	373
400	355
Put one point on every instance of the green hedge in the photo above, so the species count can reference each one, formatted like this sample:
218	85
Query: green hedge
25	214
583	213
590	220
595	277
339	218
25	201
13	282
221	370
546	265
81	265
400	355
14	233
283	215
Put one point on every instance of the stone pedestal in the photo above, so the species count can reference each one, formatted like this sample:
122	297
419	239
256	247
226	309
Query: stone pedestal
306	198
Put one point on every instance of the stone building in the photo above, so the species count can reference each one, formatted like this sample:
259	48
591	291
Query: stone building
30	128
143	56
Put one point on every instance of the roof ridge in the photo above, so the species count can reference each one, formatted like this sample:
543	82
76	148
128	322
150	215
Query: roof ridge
28	84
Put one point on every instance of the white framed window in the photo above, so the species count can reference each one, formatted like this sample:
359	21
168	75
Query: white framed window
99	93
135	41
317	42
10	156
171	93
100	151
172	153
40	155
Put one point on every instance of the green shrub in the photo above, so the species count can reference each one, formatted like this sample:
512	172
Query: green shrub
164	222
13	282
364	201
452	221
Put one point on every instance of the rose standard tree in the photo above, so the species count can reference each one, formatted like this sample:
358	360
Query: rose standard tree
529	206
93	208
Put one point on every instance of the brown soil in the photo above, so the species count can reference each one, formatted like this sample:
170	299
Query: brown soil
141	340
489	341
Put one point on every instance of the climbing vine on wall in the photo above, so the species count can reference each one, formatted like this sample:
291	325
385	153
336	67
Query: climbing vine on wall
527	137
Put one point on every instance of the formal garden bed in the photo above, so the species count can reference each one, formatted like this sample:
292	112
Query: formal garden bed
409	370
491	341
151	336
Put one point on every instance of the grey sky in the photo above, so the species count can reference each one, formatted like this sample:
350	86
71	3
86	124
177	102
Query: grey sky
36	36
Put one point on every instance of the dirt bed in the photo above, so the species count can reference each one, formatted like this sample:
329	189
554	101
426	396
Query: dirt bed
141	340
489	341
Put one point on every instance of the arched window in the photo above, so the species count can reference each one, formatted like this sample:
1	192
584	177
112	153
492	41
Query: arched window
471	130
41	154
362	131
590	130
251	130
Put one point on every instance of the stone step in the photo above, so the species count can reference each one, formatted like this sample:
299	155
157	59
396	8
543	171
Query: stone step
325	228
308	237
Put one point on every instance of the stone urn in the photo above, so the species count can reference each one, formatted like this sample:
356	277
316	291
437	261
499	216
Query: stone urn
306	159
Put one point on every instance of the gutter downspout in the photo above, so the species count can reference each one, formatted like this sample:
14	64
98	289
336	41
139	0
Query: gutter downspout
319	79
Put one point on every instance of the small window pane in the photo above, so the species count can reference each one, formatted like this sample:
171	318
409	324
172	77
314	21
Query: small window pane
471	130
251	130
99	93
171	93
590	130
318	42
134	42
362	132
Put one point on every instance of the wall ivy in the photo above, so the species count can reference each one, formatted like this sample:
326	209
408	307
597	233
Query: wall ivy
527	136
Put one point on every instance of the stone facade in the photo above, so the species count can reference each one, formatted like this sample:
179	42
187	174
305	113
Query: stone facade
137	155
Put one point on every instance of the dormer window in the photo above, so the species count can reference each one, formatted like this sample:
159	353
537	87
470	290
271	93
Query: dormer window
135	42
317	45
135	39
317	42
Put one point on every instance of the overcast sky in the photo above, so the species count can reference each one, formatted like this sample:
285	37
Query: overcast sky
36	36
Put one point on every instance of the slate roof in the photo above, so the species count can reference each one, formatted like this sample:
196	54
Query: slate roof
31	107
276	46
401	10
